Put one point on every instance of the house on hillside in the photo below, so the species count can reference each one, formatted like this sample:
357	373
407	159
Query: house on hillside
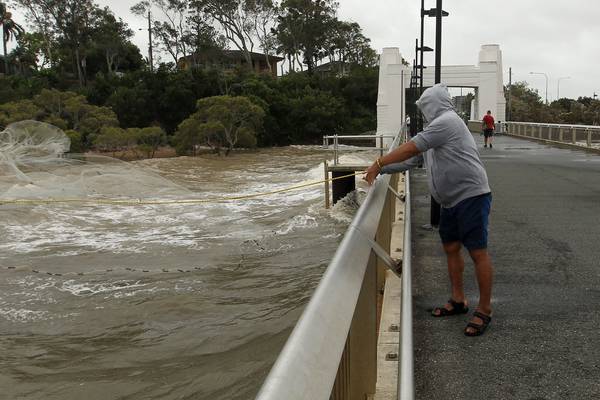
229	60
334	68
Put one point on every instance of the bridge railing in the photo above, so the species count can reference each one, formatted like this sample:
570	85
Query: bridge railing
580	135
332	351
335	140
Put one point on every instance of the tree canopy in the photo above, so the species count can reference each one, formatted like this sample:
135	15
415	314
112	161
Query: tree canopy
221	122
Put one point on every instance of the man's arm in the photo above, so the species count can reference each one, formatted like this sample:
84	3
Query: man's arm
402	153
402	166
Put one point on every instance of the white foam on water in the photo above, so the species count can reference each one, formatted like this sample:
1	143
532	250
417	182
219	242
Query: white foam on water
22	314
90	289
296	223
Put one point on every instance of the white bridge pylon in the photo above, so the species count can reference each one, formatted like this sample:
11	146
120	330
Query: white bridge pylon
486	79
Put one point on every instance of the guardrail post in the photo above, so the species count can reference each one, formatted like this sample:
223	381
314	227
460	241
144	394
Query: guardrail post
560	134
574	135
335	150
326	173
589	137
540	132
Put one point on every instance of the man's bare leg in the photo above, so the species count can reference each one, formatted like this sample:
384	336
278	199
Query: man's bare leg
484	272
456	267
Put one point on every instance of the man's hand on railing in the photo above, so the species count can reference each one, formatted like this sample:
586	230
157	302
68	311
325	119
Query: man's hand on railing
406	151
372	172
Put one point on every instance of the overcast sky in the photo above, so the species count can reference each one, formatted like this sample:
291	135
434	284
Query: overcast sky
560	38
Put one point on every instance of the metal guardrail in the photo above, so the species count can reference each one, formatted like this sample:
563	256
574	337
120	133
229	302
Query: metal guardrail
579	135
332	351
336	143
406	385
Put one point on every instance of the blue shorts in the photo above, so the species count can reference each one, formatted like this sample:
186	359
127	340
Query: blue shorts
467	222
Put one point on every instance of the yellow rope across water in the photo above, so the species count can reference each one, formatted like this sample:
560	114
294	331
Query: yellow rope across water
139	202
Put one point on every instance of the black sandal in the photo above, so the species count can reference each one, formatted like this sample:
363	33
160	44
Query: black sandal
457	309
479	328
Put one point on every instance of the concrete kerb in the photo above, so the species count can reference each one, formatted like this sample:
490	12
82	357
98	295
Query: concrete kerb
388	343
556	143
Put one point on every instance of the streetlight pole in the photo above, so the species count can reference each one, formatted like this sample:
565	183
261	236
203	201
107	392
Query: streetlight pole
438	13
546	75
438	42
558	86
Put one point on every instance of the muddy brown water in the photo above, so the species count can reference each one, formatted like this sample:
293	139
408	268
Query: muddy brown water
165	302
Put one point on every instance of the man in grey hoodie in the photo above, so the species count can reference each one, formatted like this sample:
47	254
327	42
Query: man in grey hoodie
458	181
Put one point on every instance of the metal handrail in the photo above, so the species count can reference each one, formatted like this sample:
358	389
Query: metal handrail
544	124
406	385
360	136
336	143
307	366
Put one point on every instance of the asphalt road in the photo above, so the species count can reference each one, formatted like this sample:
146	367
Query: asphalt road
544	340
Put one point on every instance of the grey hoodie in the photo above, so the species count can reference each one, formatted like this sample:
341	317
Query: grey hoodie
454	169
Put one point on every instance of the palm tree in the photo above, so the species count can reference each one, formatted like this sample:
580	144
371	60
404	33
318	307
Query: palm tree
10	29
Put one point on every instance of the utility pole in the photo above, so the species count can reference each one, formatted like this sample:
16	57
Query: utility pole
150	57
509	116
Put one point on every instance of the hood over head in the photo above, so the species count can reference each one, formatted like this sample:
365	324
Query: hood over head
435	101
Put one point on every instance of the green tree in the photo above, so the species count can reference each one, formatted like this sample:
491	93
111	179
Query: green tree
38	16
189	137
76	112
236	20
76	141
18	111
68	23
347	45
110	44
112	139
263	19
314	114
304	26
150	139
222	121
526	103
10	30
29	51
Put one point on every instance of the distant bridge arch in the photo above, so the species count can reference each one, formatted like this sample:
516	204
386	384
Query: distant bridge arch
486	79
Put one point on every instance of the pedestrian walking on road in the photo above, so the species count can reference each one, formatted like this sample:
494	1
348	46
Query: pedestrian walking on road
458	181
489	126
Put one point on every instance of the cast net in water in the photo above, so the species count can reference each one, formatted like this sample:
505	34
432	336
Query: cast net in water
35	164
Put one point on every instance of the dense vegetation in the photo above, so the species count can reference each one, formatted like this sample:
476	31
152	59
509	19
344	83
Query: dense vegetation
76	68
528	106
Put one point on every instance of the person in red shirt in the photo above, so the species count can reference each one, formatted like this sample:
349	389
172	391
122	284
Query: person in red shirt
489	126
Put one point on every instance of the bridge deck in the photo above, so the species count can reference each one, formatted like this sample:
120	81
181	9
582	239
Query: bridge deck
544	239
